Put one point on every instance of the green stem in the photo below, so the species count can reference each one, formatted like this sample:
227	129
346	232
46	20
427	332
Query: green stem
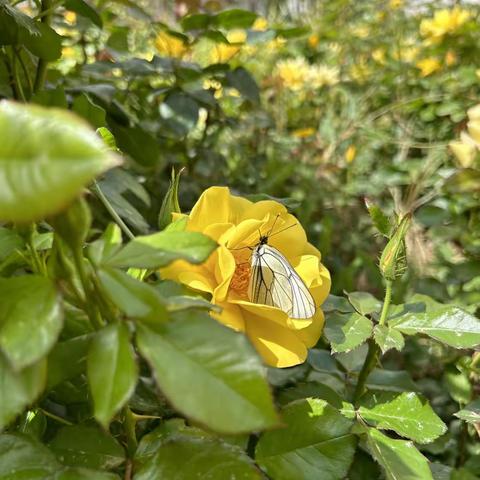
16	77
92	312
25	70
373	348
42	65
112	211
386	302
55	417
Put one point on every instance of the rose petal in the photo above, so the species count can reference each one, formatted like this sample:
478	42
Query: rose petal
278	346
224	269
231	316
312	332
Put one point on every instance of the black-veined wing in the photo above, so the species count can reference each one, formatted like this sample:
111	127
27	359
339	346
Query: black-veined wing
274	282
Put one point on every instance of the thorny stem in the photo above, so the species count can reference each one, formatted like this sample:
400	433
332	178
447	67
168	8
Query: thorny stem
373	348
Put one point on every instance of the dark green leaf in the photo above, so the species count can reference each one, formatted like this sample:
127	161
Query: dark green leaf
30	318
244	83
209	373
181	113
112	371
82	446
50	157
391	381
85	10
87	109
47	45
315	443
235	18
195	22
9	242
67	360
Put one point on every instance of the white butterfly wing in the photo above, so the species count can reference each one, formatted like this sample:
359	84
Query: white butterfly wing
274	282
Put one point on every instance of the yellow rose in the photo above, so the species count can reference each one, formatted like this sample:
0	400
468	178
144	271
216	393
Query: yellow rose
428	66
234	223
170	45
444	22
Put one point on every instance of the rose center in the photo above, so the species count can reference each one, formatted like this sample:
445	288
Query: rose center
240	279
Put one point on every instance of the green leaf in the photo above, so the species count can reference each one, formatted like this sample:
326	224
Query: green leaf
85	10
450	325
335	303
136	299
399	458
458	385
72	473
470	413
160	249
19	389
387	338
235	18
346	331
207	458
406	413
13	23
90	111
195	22
315	443
23	458
82	446
31	318
364	303
209	373
310	389
50	156
244	83
112	371
9	242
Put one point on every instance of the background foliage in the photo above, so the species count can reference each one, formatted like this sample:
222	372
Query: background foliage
341	110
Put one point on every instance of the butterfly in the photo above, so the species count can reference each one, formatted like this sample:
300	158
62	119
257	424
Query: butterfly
273	281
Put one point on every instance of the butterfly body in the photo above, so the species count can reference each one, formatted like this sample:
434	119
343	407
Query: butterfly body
275	282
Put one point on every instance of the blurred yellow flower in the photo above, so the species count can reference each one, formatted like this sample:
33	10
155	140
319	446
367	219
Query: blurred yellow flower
466	149
292	72
379	55
428	66
313	40
304	132
215	85
234	222
450	58
360	71
70	17
68	52
260	24
276	44
170	45
322	75
444	22
351	153
361	31
394	4
223	52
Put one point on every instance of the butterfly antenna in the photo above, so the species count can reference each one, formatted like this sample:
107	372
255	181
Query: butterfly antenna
273	226
283	229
